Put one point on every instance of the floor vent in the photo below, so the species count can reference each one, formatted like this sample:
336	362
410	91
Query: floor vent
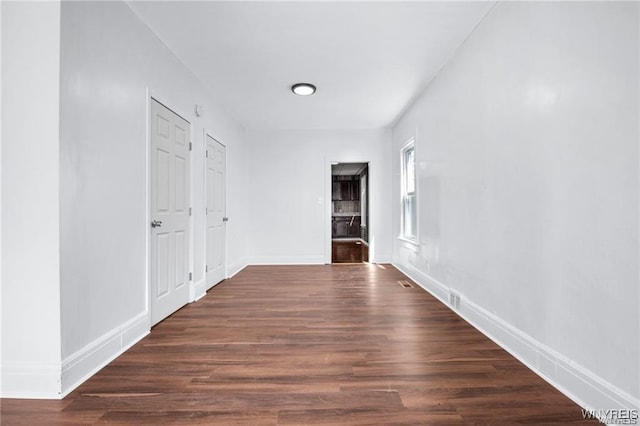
405	283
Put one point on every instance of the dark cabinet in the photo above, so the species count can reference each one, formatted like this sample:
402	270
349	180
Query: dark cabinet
345	190
349	252
354	190
346	252
345	227
339	228
337	190
353	229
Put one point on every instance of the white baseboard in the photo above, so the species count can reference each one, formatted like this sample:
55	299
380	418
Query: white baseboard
87	361
583	386
287	260
199	290
30	381
234	268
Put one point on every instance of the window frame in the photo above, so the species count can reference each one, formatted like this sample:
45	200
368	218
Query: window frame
406	195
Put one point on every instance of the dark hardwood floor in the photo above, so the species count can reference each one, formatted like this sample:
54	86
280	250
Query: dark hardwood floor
333	345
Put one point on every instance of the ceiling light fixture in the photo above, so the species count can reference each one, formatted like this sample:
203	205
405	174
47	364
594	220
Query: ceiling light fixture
303	89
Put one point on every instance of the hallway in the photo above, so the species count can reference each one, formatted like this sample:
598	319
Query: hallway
320	344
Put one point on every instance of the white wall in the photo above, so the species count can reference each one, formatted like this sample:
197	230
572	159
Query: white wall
238	209
289	190
527	148
109	60
30	228
1	387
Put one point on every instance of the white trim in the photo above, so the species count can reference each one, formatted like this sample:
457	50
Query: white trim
583	386
84	363
200	289
410	144
327	206
22	378
189	118
328	185
2	376
410	244
204	205
234	268
147	205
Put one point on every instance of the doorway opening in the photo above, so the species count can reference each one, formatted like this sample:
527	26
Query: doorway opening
349	213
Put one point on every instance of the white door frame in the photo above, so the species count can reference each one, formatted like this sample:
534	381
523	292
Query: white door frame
327	196
210	134
149	95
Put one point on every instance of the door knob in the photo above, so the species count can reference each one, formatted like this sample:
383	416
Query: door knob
156	223
225	219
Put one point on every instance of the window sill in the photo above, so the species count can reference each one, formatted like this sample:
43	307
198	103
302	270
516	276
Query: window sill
411	244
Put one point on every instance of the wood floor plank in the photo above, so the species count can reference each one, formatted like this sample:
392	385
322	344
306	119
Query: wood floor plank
321	344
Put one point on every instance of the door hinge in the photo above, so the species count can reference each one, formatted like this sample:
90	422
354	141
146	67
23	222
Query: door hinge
206	210
190	276
207	154
190	146
206	268
189	211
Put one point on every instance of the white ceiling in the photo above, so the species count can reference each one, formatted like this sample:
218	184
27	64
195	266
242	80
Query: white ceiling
347	169
368	59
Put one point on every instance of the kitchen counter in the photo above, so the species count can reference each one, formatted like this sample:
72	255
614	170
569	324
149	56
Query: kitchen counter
345	214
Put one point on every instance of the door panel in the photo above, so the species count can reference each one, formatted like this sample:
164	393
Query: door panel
161	182
181	260
181	178
162	263
169	212
216	211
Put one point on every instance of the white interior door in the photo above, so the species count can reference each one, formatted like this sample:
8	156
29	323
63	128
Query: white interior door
216	211
169	212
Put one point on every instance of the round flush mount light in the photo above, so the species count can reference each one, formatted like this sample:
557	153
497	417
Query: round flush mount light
303	89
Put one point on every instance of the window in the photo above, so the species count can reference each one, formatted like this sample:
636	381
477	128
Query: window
408	181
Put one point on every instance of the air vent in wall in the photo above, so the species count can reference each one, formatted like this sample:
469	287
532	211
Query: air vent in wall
454	299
